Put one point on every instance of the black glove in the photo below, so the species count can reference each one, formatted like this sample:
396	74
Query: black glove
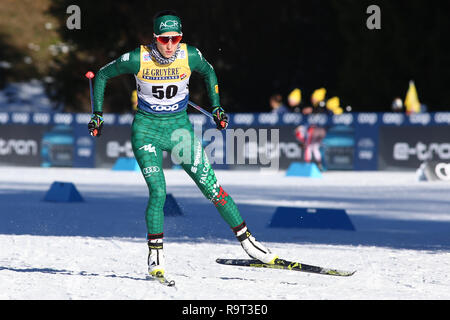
220	118
96	124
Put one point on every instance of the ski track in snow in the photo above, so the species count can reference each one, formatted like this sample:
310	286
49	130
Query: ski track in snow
97	249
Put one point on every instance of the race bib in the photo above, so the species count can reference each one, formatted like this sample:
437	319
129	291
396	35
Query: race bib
163	88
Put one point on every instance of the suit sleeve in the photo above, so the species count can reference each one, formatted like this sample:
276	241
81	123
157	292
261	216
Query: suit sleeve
128	63
199	64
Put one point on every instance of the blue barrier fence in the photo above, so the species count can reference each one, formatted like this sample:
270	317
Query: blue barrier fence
241	119
354	141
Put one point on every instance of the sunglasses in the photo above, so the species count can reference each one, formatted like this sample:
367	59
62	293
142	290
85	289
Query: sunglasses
165	39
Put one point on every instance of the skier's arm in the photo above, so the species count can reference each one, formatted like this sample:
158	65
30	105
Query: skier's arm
199	64
128	63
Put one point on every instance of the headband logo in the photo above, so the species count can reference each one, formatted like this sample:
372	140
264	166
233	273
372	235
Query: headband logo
168	24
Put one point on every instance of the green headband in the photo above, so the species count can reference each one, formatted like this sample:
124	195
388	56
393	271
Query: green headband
166	24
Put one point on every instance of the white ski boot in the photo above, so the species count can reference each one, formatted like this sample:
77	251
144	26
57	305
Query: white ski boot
254	248
156	258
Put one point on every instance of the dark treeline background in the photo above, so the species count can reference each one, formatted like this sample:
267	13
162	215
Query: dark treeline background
259	48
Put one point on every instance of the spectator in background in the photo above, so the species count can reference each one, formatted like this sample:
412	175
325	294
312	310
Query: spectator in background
294	100
310	138
397	105
317	102
276	104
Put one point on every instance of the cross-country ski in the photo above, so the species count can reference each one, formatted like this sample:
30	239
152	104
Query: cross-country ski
285	265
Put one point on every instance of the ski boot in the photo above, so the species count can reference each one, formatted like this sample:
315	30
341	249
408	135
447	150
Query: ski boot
156	258
253	248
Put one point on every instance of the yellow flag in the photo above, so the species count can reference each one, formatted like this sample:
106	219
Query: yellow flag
412	102
318	95
295	97
334	104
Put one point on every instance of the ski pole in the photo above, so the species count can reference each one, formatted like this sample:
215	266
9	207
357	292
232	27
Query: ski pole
91	75
206	113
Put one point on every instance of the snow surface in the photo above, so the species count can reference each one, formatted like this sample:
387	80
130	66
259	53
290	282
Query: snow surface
97	249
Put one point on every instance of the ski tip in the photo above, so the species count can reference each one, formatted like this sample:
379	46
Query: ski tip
340	273
350	273
169	283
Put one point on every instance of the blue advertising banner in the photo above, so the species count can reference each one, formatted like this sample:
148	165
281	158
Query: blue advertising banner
353	141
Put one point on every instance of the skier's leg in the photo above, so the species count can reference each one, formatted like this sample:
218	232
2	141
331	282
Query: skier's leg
200	170
317	155
194	161
319	134
308	153
150	163
308	146
149	158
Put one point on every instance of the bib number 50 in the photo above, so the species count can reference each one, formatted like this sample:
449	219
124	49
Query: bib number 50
159	92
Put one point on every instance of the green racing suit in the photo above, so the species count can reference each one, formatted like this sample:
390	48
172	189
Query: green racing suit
162	124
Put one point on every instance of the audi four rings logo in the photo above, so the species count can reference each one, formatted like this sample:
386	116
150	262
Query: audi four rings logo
442	171
149	170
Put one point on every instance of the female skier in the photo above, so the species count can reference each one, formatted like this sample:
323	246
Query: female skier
162	71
